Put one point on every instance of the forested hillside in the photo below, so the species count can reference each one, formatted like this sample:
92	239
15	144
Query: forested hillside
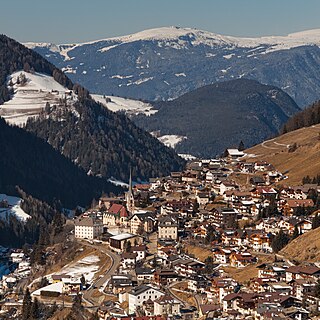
218	116
33	165
305	118
101	142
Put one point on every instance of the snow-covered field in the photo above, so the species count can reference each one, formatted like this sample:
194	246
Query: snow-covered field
171	140
188	157
14	208
30	98
86	266
131	107
118	183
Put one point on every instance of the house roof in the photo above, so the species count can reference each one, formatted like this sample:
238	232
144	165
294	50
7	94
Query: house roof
310	270
118	209
143	288
123	236
295	203
166	299
147	271
86	222
205	308
167	221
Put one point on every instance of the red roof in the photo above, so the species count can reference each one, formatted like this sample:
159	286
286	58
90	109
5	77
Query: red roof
118	209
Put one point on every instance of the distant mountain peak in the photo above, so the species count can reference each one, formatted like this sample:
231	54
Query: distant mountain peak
307	37
166	62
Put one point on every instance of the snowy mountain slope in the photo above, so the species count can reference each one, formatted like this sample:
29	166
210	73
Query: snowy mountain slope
30	97
129	106
164	63
11	205
171	140
197	37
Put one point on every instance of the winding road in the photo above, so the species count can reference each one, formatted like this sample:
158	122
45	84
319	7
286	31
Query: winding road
115	261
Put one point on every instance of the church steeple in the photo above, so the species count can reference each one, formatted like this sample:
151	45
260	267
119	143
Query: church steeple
129	196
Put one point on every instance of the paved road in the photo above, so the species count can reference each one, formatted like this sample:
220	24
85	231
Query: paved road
115	261
172	292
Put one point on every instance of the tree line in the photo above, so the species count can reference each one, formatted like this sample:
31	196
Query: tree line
305	118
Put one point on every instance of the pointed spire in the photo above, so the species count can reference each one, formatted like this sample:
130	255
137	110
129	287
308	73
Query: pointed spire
130	182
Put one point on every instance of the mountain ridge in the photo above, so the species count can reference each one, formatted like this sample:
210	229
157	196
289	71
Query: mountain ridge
215	117
165	63
307	37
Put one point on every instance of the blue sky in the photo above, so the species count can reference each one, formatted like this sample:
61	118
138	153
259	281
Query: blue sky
67	21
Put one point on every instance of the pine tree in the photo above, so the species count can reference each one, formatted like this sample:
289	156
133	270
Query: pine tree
83	281
140	229
35	310
128	246
316	221
26	305
208	265
241	146
296	233
279	241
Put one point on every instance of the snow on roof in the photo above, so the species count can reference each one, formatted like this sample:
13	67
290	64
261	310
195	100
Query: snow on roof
123	236
235	152
55	287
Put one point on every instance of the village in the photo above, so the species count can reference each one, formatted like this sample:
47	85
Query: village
204	243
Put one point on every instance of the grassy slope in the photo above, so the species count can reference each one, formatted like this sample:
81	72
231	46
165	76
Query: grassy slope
304	248
304	161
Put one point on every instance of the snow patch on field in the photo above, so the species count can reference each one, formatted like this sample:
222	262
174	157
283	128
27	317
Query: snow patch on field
13	207
129	106
171	140
182	74
86	267
30	98
229	56
118	183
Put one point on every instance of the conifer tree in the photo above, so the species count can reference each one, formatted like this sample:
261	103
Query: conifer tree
26	305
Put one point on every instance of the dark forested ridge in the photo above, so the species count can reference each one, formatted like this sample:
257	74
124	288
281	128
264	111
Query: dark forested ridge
33	165
305	118
98	140
218	116
105	143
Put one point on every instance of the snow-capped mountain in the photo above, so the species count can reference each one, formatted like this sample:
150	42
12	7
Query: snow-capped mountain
164	63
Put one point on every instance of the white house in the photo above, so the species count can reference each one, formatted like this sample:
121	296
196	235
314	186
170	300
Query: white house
140	294
167	228
88	228
166	305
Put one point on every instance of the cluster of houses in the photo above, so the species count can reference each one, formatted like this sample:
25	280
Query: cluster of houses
16	267
232	207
